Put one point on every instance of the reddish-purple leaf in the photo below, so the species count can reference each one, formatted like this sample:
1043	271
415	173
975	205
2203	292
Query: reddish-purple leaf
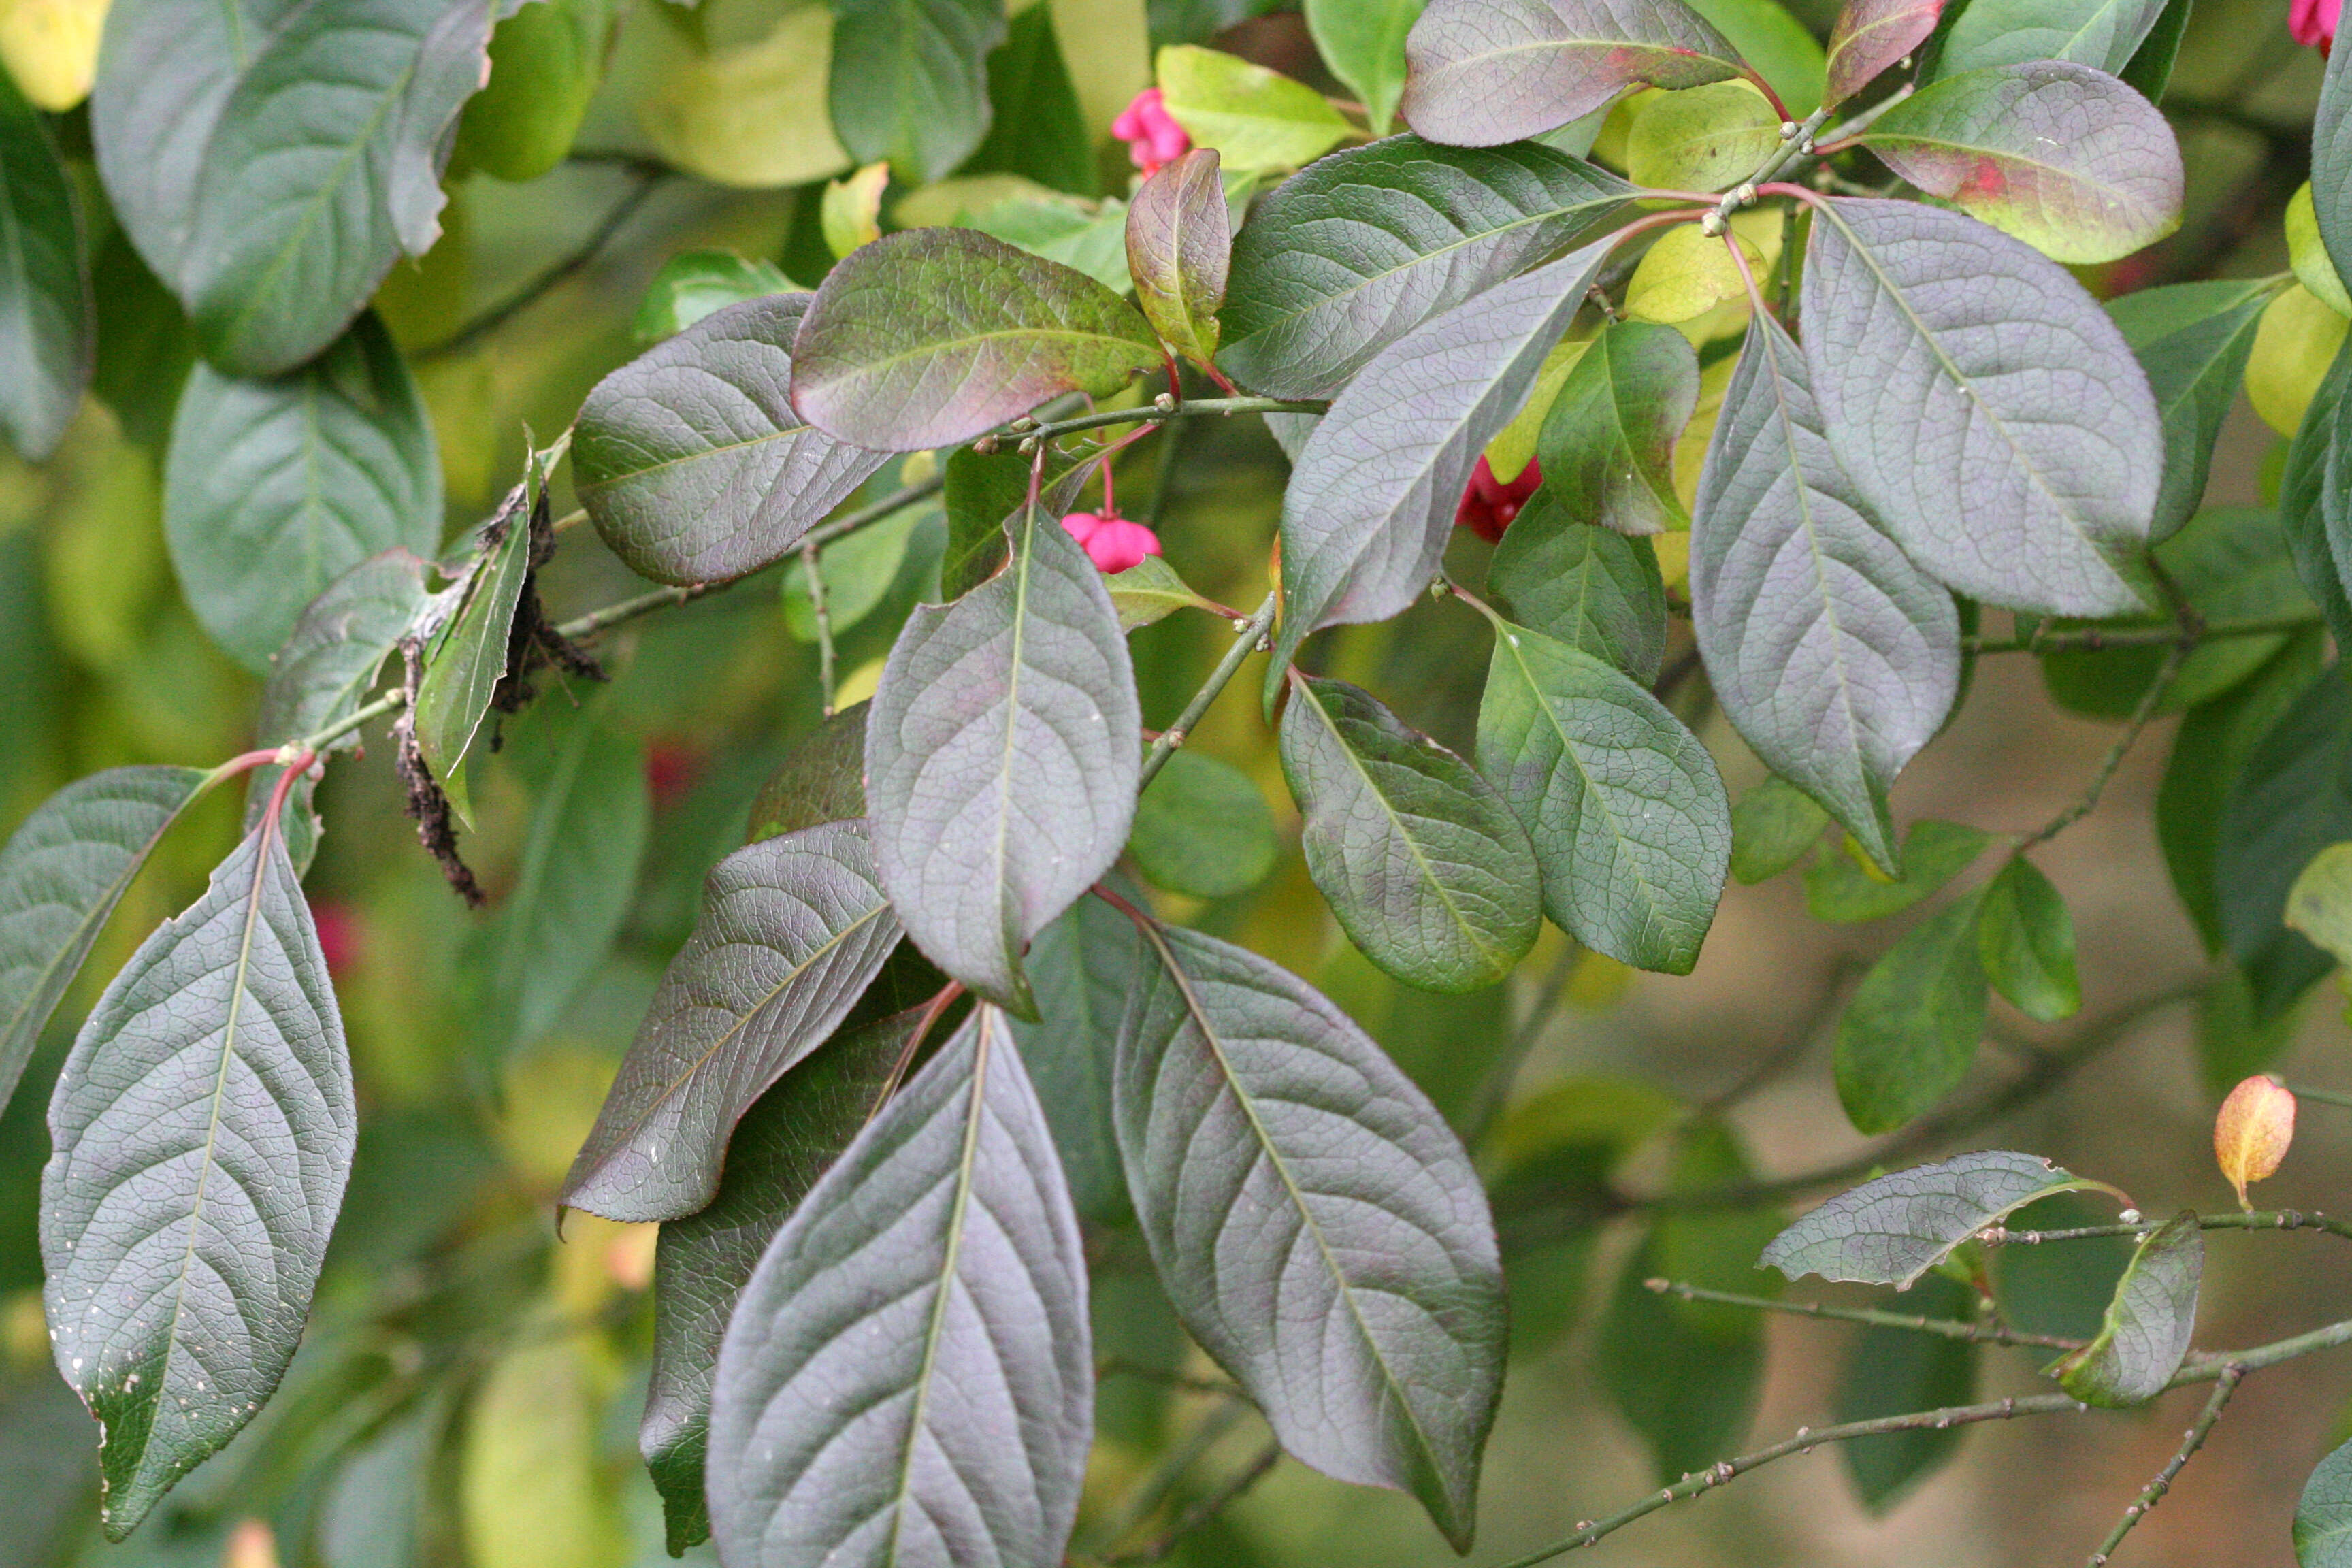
1490	71
1872	35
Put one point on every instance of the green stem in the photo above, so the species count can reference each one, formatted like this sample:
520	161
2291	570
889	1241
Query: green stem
1252	632
817	538
2142	712
2093	639
2191	1441
2259	1219
1949	1328
1166	408
2323	1096
815	574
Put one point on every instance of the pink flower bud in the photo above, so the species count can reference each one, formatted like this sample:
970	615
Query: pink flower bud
1117	543
2313	22
1489	505
1152	133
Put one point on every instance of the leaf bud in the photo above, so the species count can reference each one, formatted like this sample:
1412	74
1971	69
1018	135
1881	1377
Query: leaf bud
2252	1131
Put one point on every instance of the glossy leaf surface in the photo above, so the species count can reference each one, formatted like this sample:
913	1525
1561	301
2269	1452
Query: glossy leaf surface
203	1127
1178	246
1588	586
49	330
1315	1221
275	488
1834	658
1950	359
1892	1229
1488	71
908	1379
909	81
1426	867
1360	248
691	459
2148	1326
1001	756
1623	805
1910	1032
791	932
1372	499
934	335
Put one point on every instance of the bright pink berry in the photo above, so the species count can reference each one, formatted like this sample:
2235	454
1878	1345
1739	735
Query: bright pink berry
1152	133
1117	543
1082	525
2313	22
1488	504
339	934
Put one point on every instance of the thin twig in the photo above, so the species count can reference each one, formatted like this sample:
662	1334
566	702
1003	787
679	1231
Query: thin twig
1949	1328
895	501
540	287
1207	1508
612	615
2093	639
1117	1366
2142	712
2259	1219
1145	1497
814	570
2191	1441
1809	1029
1245	641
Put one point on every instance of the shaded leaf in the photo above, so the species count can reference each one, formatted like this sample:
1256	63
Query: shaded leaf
65	868
1371	503
1149	592
1485	72
1909	1034
2192	339
2065	158
791	932
2150	67
2148	1326
1178	246
1892	1372
821	780
1950	359
1891	1230
2319	905
546	61
2331	164
46	1443
2315	506
1607	444
1037	126
983	489
528	1478
784	1143
2027	942
1832	656
203	1127
1872	35
2101	34
464	656
1086	965
691	459
1251	116
1704	138
1315	1223
935	335
2291	799
695	283
909	81
1623	805
274	489
1352	253
1588	586
48	329
860	571
1363	43
1202	828
1427	870
2323	1515
908	1378
1001	756
1772	828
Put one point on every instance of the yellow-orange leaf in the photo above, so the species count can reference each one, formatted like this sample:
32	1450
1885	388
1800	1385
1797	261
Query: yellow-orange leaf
2251	1132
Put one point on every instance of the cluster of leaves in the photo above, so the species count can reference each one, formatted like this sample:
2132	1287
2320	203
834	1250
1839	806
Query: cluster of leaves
926	1027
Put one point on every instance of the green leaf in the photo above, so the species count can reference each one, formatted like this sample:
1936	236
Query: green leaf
145	346
2291	799
821	780
2150	67
1364	1317
2211	746
2193	339
2331	166
1149	592
2148	1326
1607	444
64	871
1363	43
1832	655
2065	158
2319	905
1910	1033
274	489
910	82
1253	118
1484	73
1370	504
1871	35
933	336
574	881
691	459
1588	586
793	930
944	1242
1001	758
1891	1230
788	1139
324	166
1772	828
546	61
1037	128
1202	828
1838	888
1086	964
2047	421
2315	506
2103	35
1352	253
48	329
983	490
2323	1515
694	283
464	656
859	570
1090	239
1426	868
1623	805
2307	253
2027	942
1770	38
203	1127
1893	1372
1179	246
45	1446
1704	138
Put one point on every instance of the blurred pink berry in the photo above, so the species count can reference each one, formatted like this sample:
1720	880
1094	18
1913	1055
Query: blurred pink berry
1488	504
1153	136
1113	544
339	934
2313	22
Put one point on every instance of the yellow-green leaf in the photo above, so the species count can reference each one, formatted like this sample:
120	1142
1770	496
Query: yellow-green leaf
1253	118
